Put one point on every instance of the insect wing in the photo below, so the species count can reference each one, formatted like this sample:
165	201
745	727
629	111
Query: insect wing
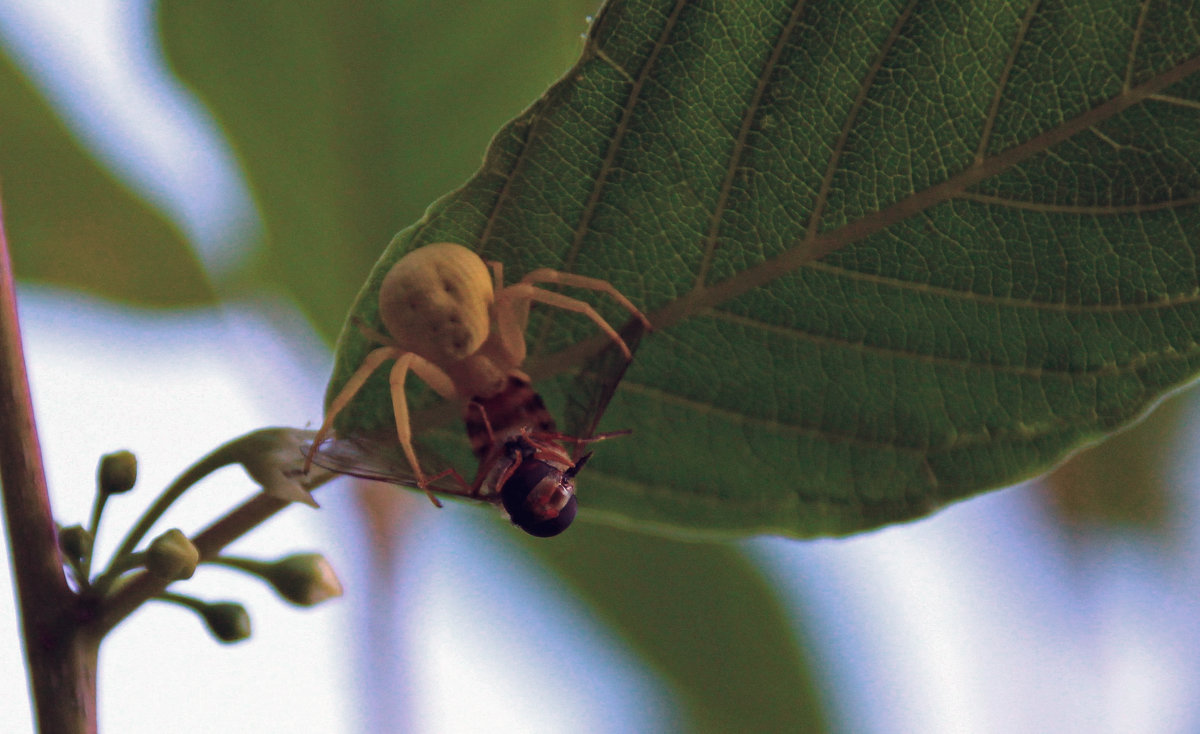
596	383
384	461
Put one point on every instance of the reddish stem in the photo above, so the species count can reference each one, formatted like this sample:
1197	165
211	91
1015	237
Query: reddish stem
59	652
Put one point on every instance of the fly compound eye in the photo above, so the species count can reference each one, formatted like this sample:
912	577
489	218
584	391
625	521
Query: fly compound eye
539	500
546	528
554	526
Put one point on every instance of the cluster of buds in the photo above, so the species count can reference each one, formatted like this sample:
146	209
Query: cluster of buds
303	579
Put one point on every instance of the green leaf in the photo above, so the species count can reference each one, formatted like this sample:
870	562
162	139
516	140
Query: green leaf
897	253
349	119
703	617
71	223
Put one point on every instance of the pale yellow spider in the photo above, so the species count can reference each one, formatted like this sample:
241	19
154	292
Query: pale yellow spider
459	329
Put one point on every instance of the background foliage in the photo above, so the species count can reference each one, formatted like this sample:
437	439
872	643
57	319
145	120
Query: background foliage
817	401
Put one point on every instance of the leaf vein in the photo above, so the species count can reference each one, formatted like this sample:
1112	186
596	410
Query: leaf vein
1089	210
1107	370
739	146
954	439
1177	101
660	395
1135	44
852	115
1181	299
618	137
1002	83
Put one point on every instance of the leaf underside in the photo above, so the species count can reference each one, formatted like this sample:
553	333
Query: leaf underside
896	253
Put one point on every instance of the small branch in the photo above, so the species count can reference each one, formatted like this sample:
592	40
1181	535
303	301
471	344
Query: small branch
218	459
62	662
211	541
130	593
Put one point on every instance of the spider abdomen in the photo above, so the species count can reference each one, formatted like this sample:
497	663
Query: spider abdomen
436	301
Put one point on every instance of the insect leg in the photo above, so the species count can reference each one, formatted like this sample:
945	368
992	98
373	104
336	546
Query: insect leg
525	291
371	333
487	424
546	275
441	384
349	390
466	489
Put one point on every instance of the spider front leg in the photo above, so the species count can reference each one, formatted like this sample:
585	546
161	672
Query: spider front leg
546	275
513	308
375	358
441	383
426	370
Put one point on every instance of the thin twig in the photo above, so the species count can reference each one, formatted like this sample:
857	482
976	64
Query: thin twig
201	469
131	594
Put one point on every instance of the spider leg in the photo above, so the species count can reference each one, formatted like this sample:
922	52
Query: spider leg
497	275
510	313
375	358
526	292
370	333
546	275
441	384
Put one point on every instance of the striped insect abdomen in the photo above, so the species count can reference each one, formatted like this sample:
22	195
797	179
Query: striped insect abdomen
515	407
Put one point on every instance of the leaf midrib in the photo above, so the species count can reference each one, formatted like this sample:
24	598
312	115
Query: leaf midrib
814	246
821	245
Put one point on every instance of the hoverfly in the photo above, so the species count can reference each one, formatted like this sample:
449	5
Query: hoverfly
524	464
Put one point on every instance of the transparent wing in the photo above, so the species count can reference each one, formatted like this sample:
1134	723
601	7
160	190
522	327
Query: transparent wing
595	384
384	461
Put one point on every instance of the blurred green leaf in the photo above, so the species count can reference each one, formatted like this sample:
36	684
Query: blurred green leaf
704	617
71	223
897	253
350	119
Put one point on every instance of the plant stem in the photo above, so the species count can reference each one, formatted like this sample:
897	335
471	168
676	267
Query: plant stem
218	459
246	565
60	653
122	565
93	529
131	594
184	601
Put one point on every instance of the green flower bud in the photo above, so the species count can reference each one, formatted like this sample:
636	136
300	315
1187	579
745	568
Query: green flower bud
117	472
273	458
75	542
172	556
228	621
304	579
